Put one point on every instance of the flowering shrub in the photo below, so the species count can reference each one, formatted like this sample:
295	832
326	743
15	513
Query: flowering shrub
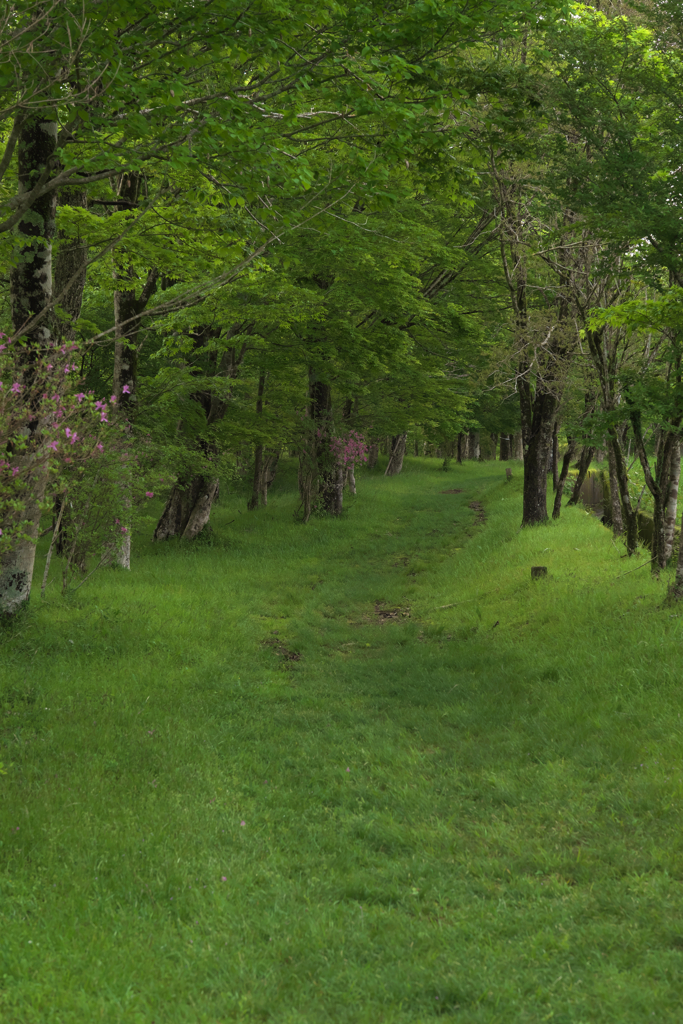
349	449
48	427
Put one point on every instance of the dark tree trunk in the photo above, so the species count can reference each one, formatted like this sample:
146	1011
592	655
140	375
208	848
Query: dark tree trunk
31	297
505	448
327	479
672	501
70	267
189	505
373	454
518	447
659	484
585	460
556	457
474	446
398	450
564	473
462	447
257	486
128	308
629	514
188	508
615	503
537	421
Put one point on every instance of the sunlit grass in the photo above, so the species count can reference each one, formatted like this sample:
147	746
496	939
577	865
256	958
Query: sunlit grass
464	798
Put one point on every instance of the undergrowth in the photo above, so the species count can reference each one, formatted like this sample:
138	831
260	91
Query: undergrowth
362	770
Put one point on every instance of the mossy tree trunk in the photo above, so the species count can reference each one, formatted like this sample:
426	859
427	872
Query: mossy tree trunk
32	319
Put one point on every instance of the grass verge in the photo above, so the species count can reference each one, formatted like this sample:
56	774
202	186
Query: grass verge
364	770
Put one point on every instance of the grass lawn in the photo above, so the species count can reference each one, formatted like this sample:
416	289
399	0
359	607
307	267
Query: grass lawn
362	770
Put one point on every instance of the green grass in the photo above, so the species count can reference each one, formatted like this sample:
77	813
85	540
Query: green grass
470	811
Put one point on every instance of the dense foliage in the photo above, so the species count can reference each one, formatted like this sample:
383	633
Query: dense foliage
271	228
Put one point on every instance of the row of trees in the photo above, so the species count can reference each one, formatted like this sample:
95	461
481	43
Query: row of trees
230	230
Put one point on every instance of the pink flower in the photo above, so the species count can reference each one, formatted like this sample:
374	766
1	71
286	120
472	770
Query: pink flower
15	470
103	418
149	494
125	389
80	396
100	448
50	366
16	387
66	369
53	445
242	823
223	878
348	769
124	529
113	398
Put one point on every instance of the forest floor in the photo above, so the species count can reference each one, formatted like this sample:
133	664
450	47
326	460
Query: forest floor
363	770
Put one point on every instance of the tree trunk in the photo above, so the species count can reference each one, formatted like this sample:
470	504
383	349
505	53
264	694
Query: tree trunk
672	501
70	266
474	446
556	457
31	296
505	448
373	454
539	425
518	447
615	503
462	447
257	484
564	473
350	478
584	463
667	448
398	450
188	508
629	515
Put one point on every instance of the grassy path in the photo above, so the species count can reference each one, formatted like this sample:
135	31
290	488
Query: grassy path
359	771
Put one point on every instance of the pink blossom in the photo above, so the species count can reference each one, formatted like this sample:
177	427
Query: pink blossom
15	470
53	445
124	529
100	448
113	398
103	418
80	396
16	387
242	823
66	369
125	389
149	494
223	878
50	366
